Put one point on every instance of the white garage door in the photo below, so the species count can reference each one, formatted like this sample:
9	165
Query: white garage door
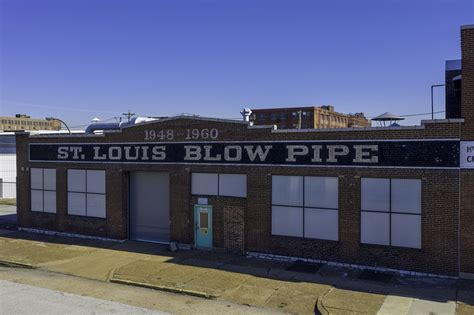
149	206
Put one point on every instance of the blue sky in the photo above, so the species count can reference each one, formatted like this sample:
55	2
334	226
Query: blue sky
80	59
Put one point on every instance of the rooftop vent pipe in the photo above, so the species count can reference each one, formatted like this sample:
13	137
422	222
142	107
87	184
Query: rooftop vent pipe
117	126
246	112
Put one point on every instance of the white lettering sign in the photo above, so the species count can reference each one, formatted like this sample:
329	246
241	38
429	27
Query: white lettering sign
467	154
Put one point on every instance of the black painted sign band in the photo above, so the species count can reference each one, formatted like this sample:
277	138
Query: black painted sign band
428	153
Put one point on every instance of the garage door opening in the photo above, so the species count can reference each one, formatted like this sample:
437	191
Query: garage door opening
149	207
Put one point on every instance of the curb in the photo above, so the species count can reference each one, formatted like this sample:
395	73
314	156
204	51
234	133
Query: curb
164	288
15	264
320	309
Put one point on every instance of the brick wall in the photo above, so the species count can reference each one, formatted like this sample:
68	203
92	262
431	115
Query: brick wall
467	176
440	197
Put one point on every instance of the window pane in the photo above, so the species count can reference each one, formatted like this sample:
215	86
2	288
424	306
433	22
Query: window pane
96	182
321	223
233	185
36	178
37	200
406	230
76	180
406	195
49	179
50	201
76	203
287	190
375	194
287	221
375	228
96	206
204	184
321	192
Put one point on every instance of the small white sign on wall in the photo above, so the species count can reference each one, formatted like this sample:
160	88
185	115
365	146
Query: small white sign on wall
202	201
467	154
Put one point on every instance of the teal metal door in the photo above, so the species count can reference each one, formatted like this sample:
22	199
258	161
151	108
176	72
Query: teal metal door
203	226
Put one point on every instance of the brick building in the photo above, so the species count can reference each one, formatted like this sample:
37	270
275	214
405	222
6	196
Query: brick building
393	197
25	122
307	118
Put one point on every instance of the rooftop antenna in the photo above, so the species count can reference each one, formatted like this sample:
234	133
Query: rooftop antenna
129	115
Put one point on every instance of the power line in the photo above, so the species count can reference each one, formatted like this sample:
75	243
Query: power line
69	108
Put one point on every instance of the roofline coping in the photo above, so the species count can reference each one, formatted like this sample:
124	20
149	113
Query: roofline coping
467	26
353	129
442	121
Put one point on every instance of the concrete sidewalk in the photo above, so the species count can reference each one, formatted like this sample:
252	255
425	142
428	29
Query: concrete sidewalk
226	277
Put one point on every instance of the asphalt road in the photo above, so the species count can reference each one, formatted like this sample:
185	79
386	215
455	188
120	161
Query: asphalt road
18	298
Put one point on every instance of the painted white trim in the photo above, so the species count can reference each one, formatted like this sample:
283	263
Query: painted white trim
237	165
346	265
245	141
64	234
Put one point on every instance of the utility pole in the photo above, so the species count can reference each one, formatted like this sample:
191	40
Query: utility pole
128	115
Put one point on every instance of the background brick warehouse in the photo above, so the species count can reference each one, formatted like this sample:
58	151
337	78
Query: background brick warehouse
443	203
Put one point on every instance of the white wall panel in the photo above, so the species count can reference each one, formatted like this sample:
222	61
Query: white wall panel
49	177
406	230
233	185
321	224
375	194
204	184
96	181
96	205
37	200
8	175
287	190
321	192
406	195
287	221
375	228
49	201
76	203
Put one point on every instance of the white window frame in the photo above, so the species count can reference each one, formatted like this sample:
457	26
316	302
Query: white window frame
304	208
88	193
392	213
43	190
